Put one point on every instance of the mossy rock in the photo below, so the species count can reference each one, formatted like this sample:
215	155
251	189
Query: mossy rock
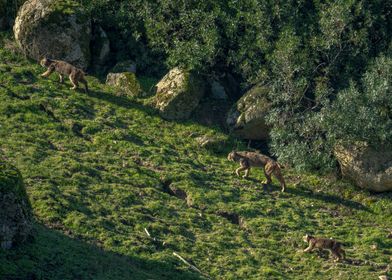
126	84
246	119
15	209
365	166
58	29
178	94
124	66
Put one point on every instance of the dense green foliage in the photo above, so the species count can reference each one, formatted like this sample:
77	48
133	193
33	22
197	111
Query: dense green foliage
304	51
97	167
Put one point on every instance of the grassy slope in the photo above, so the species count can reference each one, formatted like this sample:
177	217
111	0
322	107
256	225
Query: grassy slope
95	167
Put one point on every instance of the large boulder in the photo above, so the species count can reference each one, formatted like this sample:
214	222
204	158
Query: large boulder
126	84
368	168
15	210
57	29
178	94
246	119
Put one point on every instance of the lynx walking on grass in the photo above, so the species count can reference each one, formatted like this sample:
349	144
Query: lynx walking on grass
253	159
75	74
324	243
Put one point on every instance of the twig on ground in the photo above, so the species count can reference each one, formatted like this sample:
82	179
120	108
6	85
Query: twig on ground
190	265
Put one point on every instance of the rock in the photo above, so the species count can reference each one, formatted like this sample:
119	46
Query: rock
218	91
126	84
124	66
225	87
368	168
178	94
211	142
15	209
101	50
246	119
55	29
212	112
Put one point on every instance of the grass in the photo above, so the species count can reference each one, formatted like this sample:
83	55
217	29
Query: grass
98	168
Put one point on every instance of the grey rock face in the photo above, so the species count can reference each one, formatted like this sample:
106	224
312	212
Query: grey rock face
55	29
246	119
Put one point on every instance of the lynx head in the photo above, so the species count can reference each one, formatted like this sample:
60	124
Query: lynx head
45	62
232	156
307	237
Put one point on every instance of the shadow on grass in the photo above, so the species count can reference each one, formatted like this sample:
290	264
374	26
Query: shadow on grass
328	198
120	101
55	256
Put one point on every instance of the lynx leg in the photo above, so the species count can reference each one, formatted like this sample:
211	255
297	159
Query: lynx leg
310	248
246	173
47	73
279	176
74	82
239	169
267	172
336	256
61	78
83	81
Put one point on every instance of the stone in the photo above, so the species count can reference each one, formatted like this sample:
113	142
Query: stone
246	119
101	50
178	94
366	167
54	29
124	66
211	142
218	91
126	84
15	210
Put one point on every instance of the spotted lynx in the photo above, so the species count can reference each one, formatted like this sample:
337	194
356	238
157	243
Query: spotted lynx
324	243
253	159
63	68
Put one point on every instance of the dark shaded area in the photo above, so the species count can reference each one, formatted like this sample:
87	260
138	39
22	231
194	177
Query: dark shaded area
232	217
56	256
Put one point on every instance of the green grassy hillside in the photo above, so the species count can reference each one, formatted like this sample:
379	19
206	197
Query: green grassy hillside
97	169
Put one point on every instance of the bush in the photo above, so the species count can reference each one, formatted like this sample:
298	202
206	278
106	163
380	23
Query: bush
363	112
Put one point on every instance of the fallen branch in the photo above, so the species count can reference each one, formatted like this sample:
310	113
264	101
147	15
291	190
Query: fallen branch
149	235
190	265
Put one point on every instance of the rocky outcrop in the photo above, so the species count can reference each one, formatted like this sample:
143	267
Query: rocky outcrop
55	29
126	84
178	94
246	119
15	210
124	66
368	168
101	48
